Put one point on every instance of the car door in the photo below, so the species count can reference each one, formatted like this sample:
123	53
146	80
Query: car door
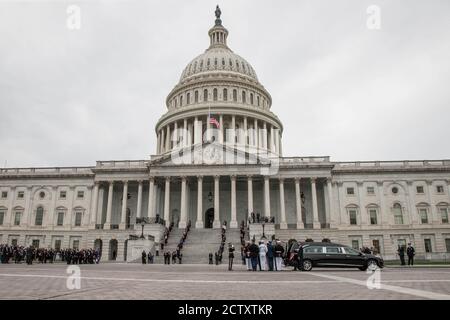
334	256
353	257
315	254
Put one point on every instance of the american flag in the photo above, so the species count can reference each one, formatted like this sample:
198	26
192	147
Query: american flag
214	121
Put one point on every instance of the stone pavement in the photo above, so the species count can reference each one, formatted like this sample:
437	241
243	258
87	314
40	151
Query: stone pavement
192	282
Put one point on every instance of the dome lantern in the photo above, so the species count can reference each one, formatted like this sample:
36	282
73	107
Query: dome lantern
218	34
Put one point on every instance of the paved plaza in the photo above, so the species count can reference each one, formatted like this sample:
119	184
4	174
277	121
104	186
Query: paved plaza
192	282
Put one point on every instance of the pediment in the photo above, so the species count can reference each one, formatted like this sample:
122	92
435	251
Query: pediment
213	153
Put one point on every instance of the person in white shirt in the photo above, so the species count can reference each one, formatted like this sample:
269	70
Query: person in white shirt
262	255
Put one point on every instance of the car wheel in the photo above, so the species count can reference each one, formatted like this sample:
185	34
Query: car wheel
307	265
372	265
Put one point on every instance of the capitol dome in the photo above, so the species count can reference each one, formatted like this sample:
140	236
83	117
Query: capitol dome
224	84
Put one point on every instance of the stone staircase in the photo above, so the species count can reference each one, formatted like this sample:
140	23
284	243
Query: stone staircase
201	242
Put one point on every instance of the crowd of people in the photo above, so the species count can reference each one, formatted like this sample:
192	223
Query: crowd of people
257	218
263	256
19	254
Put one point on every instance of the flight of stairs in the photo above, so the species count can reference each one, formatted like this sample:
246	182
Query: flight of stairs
201	242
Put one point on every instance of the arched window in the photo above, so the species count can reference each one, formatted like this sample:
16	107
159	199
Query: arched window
223	62
175	101
237	65
208	63
244	97
225	95
235	95
205	95
188	98
257	99
231	64
181	101
215	63
196	96
251	98
39	216
398	214
215	94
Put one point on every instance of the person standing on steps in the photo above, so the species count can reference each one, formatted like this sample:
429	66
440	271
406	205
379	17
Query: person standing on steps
230	256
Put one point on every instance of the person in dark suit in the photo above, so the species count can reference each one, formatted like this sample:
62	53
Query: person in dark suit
410	252
144	257
230	256
254	253
270	255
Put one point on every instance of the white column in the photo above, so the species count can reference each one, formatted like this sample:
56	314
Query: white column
250	195
233	223
49	221
185	133
298	204
221	128
383	210
199	223
266	196
183	215
331	216
233	130
216	223
256	133
433	214
94	206
176	135
7	220
264	143
139	200
316	223
167	202
196	131
157	143
245	142
410	196
124	206
151	198
277	141
167	138
272	139
109	206
208	127
283	223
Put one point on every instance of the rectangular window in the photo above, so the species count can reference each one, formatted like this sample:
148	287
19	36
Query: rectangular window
423	215
76	244
427	243
20	195
35	243
60	220
355	244
373	216
370	190
80	194
62	194
352	214
447	244
17	218
350	191
2	215
444	214
419	189
4	194
78	216
14	242
440	189
57	244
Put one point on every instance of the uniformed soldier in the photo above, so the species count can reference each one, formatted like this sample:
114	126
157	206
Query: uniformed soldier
279	250
230	256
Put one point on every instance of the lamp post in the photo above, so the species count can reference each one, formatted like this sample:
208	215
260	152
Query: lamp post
142	225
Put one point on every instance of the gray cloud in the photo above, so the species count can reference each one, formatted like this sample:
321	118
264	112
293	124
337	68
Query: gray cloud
74	97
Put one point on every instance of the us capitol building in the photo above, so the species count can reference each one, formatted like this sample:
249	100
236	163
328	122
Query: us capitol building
218	158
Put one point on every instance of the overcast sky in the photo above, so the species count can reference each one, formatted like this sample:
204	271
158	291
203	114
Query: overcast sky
71	97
